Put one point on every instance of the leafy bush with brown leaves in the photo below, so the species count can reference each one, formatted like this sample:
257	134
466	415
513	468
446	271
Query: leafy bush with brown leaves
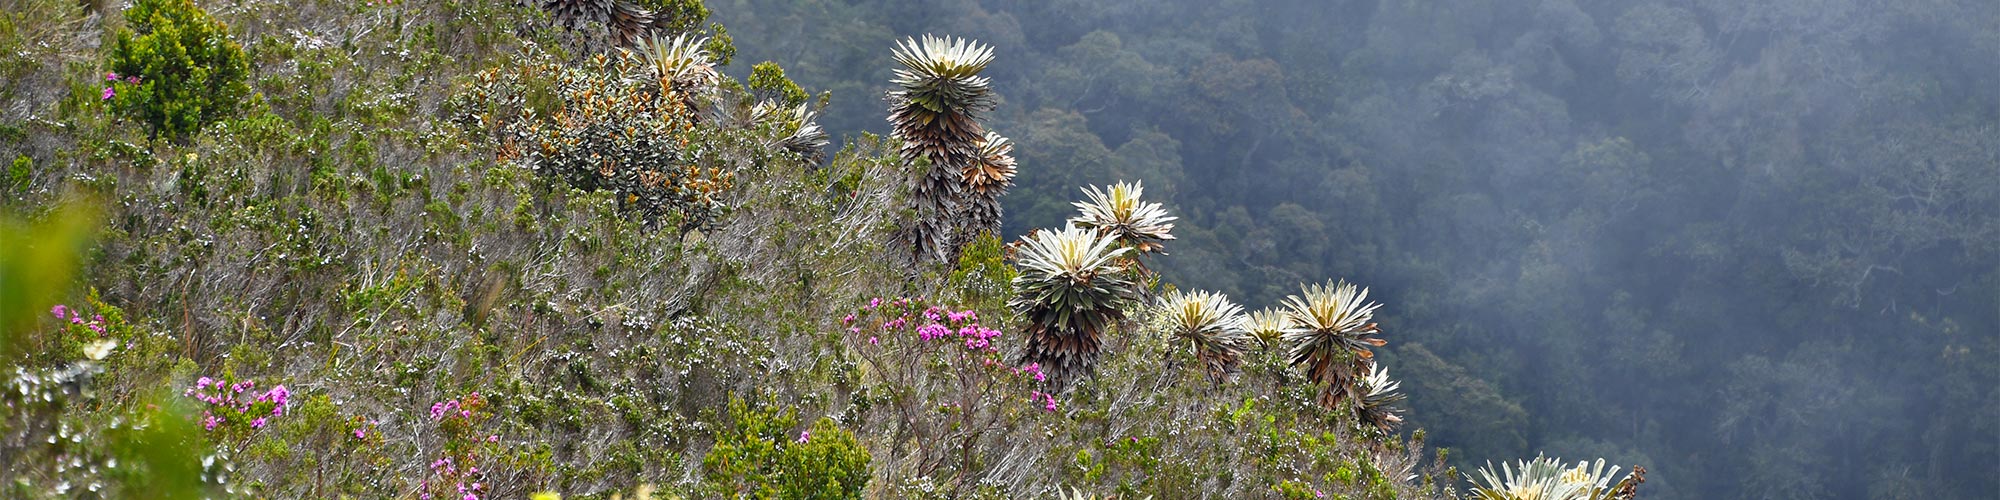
611	124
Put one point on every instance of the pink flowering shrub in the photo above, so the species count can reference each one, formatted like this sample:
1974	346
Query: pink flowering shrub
945	378
455	473
232	411
75	318
80	327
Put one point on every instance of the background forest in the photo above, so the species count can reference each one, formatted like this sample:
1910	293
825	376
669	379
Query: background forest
1756	243
613	249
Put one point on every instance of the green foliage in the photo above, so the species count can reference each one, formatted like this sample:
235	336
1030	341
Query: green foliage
37	260
720	45
161	452
827	463
982	278
677	16
757	456
19	172
174	69
768	81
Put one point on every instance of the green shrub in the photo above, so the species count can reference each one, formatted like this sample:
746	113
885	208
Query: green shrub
20	173
756	456
677	16
767	81
175	69
826	462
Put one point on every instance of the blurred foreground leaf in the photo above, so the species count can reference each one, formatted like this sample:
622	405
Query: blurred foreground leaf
38	257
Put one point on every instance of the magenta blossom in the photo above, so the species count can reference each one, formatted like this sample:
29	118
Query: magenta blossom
108	93
804	436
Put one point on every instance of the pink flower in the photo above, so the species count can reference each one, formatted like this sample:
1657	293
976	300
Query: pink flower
279	395
847	320
59	310
932	331
493	438
438	410
804	435
258	423
873	341
1048	399
361	434
111	77
108	93
132	80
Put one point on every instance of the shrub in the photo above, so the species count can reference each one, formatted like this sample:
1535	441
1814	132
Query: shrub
756	456
677	16
824	462
175	69
614	125
465	446
233	410
768	81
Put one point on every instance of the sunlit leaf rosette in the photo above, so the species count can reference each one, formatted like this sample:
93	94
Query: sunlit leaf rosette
1210	326
1119	212
1331	337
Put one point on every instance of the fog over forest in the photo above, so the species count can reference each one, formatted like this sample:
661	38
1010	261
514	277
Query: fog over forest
1752	245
